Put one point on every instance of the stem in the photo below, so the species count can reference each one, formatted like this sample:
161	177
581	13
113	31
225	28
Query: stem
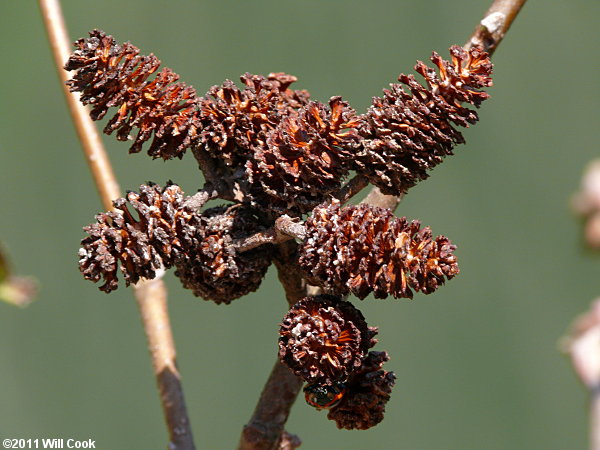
353	187
199	199
208	167
289	272
265	430
151	295
495	23
285	229
93	149
376	198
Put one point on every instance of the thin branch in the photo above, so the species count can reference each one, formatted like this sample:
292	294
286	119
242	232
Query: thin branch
151	298
376	198
265	428
93	149
353	187
199	199
495	23
207	166
289	272
285	229
150	295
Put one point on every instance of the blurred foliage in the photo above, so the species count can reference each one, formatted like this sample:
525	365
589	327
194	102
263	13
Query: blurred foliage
477	361
15	290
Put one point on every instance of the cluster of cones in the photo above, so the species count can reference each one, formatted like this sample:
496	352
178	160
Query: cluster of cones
272	153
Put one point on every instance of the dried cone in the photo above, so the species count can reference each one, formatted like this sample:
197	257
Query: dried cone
212	268
362	249
307	157
409	131
236	121
367	391
110	75
323	339
161	233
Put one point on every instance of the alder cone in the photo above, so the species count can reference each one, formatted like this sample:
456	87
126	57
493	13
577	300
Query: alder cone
324	338
367	392
306	158
161	233
237	121
212	268
110	75
411	128
364	249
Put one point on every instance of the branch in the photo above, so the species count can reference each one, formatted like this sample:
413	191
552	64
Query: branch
150	295
494	25
353	187
207	166
265	430
289	272
199	199
93	149
376	198
285	229
151	298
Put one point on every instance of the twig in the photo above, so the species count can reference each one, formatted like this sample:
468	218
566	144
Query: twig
285	229
150	295
265	428
353	187
93	149
376	198
289	272
208	168
199	199
206	165
151	298
495	23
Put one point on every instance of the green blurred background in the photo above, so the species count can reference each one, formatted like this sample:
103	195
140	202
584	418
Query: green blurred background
477	362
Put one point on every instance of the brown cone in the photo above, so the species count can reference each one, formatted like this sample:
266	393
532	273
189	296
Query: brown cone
306	158
237	121
212	268
323	339
411	129
141	245
362	249
110	75
367	391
